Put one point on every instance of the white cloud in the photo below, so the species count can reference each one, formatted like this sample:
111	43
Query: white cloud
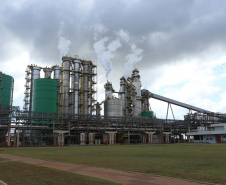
193	82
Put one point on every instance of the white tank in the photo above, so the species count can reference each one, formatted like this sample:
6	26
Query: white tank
113	108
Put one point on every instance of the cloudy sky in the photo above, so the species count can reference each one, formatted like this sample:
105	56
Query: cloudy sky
178	45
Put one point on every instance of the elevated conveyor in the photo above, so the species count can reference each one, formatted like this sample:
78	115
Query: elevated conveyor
174	102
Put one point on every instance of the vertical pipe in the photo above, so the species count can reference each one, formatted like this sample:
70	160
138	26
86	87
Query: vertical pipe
35	74
85	86
66	82
90	89
57	76
122	96
136	82
76	85
72	98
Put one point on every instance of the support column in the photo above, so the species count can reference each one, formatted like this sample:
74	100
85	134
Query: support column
150	136
62	139
18	138
8	138
167	136
111	136
128	137
144	138
55	138
91	138
14	138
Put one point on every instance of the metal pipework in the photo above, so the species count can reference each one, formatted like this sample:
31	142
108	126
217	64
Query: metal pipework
47	72
56	72
77	64
98	108
137	84
90	85
122	92
108	90
35	74
85	86
66	82
145	101
174	102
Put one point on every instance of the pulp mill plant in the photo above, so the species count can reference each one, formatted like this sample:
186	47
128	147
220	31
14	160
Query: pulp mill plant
61	109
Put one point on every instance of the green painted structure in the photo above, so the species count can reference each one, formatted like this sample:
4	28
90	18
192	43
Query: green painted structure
6	88
45	95
148	114
6	95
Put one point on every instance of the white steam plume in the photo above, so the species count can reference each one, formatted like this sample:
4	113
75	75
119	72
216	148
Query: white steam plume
105	54
123	35
132	59
63	46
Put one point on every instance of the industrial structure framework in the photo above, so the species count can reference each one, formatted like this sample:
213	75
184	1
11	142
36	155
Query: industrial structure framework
61	109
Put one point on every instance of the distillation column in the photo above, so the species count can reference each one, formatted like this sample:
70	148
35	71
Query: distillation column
76	85
66	81
57	76
35	74
85	86
136	82
56	72
122	95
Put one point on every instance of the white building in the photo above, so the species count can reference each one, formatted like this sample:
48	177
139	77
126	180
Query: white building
216	133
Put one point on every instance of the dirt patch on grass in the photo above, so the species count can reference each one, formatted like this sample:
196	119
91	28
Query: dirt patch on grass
130	178
18	173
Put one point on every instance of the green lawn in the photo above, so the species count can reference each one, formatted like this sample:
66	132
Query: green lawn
202	162
17	173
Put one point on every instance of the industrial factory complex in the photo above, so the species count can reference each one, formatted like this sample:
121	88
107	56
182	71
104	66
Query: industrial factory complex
61	109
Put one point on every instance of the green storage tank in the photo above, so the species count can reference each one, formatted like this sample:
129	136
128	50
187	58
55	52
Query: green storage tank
6	89
45	95
6	94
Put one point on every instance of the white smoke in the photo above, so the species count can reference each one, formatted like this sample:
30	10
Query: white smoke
132	59
63	46
63	43
99	29
123	35
105	53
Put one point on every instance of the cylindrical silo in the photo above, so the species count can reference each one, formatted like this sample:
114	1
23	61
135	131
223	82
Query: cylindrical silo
6	89
45	98
6	96
113	107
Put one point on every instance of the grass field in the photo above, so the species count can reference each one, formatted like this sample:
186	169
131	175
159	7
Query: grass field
2	159
202	162
17	173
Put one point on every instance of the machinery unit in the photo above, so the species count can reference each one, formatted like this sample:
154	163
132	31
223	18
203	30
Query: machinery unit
130	102
69	91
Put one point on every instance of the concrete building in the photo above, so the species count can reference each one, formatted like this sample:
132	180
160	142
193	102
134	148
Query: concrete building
216	133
